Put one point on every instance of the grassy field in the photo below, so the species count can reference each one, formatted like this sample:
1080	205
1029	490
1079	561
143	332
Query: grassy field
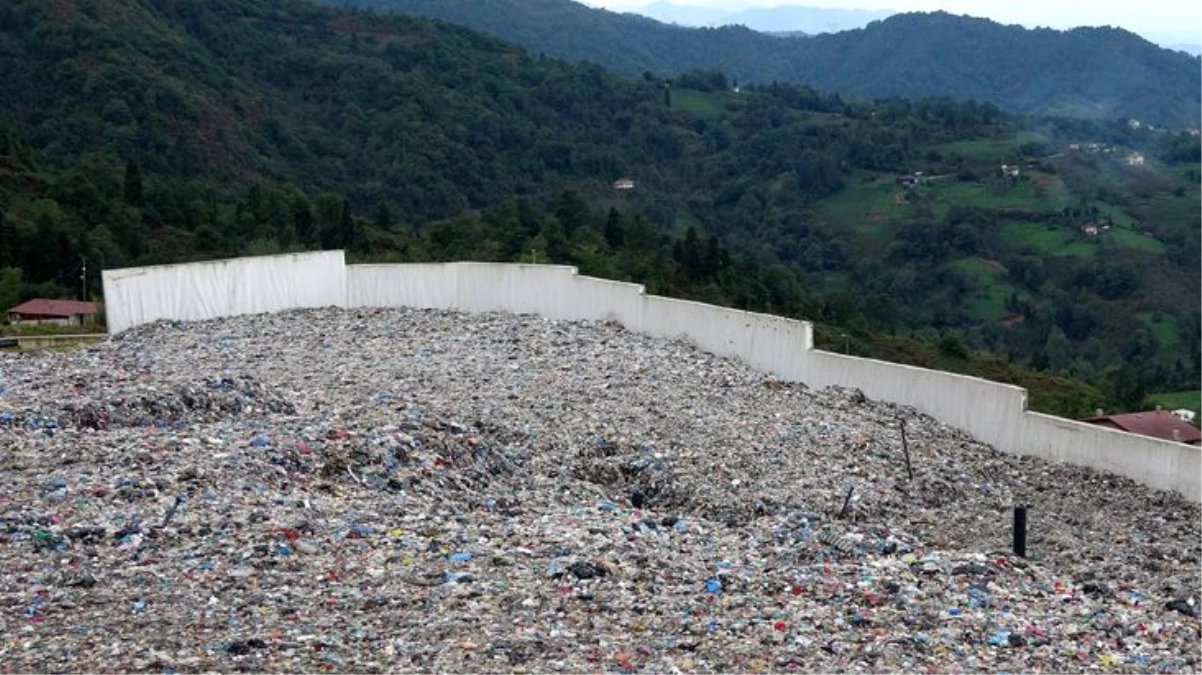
866	207
1117	215
1134	240
708	105
1168	208
992	149
988	302
1051	240
1165	329
1190	400
821	119
1180	171
1041	192
50	329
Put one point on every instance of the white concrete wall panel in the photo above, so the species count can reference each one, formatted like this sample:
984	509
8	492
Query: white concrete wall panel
605	300
420	285
990	411
208	290
522	289
142	295
1188	479
1160	464
771	344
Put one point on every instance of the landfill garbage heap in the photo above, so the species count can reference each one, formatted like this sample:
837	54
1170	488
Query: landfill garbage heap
428	491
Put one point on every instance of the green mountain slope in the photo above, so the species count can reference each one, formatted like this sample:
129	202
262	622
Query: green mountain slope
236	90
434	119
1087	72
142	131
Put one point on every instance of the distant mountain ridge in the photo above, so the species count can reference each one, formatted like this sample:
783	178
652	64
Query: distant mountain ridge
1085	72
684	15
779	19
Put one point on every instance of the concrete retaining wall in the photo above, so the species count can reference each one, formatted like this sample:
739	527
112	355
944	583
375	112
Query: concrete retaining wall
208	290
1146	460
770	343
993	413
990	411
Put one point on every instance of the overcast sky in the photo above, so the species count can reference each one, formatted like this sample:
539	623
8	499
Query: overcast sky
1160	20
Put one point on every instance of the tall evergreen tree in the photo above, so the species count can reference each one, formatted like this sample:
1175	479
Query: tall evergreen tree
132	187
556	239
327	216
280	225
6	244
302	220
10	286
349	231
571	211
384	219
505	221
688	253
615	229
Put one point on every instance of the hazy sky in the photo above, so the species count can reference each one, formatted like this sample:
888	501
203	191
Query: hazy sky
1178	20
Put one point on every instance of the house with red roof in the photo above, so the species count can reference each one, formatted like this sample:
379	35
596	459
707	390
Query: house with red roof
1156	423
61	312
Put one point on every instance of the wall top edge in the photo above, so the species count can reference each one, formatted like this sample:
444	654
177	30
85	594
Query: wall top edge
603	280
121	271
464	263
734	310
642	289
920	369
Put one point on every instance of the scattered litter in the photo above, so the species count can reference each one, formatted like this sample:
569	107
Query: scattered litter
415	491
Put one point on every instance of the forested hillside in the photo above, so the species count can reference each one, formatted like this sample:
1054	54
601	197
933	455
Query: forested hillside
136	132
1087	72
430	119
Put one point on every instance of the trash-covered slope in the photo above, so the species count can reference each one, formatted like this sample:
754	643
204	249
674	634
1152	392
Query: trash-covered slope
411	490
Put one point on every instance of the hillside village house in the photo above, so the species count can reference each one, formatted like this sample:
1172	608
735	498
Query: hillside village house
1135	159
1155	423
60	312
624	184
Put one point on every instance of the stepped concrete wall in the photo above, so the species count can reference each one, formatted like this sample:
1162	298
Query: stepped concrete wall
993	413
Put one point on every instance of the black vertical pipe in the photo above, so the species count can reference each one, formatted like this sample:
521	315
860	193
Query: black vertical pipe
846	500
1020	531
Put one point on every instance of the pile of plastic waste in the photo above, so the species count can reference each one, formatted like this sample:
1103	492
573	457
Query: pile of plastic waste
405	490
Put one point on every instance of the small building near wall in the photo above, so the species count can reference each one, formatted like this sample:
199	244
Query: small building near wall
59	312
1156	423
